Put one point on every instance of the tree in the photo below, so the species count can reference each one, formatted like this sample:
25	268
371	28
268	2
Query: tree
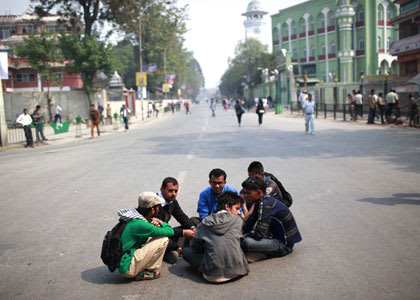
41	54
87	55
245	68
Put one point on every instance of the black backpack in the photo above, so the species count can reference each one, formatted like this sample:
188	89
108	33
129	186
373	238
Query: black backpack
111	247
287	198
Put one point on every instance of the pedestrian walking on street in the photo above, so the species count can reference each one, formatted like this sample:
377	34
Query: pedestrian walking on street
109	114
38	120
94	120
382	107
25	120
260	111
100	110
303	96
308	109
372	100
157	108
239	110
57	113
391	99
125	114
213	108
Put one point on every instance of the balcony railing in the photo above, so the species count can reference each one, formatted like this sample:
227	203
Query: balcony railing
302	34
381	22
321	30
321	57
311	58
331	55
331	28
311	32
293	37
285	39
360	23
360	52
276	43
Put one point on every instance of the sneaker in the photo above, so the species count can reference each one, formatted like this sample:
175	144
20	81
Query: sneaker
171	257
313	133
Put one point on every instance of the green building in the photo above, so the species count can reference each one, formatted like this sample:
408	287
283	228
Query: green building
333	40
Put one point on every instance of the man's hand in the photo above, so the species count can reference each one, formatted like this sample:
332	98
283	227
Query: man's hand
156	222
189	233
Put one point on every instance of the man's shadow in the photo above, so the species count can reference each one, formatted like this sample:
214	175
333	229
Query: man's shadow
101	275
396	199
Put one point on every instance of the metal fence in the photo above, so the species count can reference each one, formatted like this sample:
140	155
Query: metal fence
15	133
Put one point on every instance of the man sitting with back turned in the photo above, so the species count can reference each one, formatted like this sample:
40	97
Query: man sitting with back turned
143	242
271	230
207	202
216	249
169	191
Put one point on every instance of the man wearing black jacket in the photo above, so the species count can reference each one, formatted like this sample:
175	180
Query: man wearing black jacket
169	191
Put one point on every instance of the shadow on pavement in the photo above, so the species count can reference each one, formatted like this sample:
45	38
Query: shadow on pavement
101	275
184	270
399	198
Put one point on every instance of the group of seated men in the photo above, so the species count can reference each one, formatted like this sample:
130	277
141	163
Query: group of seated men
231	231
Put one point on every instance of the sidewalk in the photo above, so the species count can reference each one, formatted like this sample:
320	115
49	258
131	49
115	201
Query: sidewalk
70	136
339	118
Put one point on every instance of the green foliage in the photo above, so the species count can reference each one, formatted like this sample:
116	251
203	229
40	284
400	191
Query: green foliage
41	54
87	55
250	57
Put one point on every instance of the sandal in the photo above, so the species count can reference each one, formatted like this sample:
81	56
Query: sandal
147	275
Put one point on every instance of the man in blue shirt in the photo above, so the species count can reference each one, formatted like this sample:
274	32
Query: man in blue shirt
207	202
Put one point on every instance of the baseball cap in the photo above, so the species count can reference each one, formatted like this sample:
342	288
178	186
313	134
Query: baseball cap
149	199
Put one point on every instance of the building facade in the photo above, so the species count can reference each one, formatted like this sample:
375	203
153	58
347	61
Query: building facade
407	48
22	77
255	23
337	40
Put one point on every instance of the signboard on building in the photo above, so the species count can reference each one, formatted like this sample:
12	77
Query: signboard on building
141	79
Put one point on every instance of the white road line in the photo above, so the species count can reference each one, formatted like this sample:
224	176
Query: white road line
190	156
181	177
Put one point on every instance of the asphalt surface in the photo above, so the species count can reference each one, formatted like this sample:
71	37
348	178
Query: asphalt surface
356	191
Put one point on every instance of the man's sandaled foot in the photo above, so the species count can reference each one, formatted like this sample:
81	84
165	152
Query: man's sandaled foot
252	257
147	275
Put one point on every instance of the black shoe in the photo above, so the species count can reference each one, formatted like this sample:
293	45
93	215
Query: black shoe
171	257
45	140
26	146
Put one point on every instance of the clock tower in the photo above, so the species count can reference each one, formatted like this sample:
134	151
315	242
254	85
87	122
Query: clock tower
255	25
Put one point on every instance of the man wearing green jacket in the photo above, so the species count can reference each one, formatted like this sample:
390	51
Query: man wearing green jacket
144	239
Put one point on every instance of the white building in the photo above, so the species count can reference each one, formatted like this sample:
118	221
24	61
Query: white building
255	23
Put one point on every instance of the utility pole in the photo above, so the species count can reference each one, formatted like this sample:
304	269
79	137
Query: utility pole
3	125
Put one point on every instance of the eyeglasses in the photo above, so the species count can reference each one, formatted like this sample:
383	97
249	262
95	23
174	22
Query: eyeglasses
217	182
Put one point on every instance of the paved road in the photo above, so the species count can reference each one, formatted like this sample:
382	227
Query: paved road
356	191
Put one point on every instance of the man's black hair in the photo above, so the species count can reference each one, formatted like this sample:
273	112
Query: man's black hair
169	180
25	109
92	105
254	183
38	106
255	167
217	173
228	198
144	211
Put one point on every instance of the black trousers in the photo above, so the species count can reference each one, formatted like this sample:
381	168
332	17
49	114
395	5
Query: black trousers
239	116
28	135
371	117
126	122
260	118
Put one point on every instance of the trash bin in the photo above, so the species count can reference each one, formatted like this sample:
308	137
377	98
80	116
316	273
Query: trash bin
279	108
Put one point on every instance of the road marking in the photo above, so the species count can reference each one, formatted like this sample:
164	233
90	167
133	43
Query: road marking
190	156
181	177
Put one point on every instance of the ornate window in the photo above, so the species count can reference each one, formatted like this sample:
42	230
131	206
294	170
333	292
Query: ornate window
332	47
323	49
361	15
304	52
379	42
295	54
388	13
379	13
362	44
313	50
286	31
294	30
303	26
332	20
322	22
312	25
388	42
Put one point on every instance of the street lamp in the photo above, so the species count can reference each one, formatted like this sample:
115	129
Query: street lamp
140	45
386	84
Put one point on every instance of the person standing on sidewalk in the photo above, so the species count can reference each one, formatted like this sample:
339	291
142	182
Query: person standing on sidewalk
38	119
372	100
94	120
109	114
308	109
57	113
359	104
260	111
125	114
26	121
382	107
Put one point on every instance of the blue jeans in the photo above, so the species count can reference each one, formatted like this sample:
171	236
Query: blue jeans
309	118
269	247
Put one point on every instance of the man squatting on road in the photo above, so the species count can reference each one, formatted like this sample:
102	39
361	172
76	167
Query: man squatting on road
223	234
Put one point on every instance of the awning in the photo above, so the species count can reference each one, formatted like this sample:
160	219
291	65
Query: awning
406	45
415	79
